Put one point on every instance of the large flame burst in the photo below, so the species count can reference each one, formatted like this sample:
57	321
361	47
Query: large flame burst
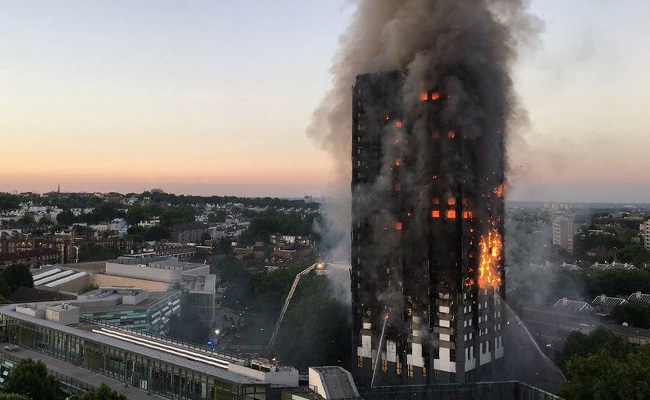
490	261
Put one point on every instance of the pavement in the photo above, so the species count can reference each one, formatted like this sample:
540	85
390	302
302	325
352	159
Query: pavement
221	325
80	374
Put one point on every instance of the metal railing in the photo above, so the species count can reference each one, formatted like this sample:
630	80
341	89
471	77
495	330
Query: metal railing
164	339
68	380
500	390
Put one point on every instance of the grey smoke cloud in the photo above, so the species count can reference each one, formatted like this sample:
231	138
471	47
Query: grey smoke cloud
467	48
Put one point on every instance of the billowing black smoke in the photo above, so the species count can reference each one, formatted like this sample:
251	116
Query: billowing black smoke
462	49
426	125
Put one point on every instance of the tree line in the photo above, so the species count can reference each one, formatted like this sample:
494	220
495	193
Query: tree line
30	380
602	366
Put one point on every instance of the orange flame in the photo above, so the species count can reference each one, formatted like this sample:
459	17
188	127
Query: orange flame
499	191
490	259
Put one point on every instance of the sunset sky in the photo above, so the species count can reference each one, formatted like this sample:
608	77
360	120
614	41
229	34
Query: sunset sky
213	97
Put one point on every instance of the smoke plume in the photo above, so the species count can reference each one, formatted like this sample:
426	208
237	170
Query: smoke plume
465	48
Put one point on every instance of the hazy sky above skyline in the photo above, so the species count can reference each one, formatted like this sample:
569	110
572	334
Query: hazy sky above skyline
213	97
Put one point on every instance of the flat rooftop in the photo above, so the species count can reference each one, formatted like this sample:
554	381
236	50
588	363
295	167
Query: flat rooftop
153	298
157	348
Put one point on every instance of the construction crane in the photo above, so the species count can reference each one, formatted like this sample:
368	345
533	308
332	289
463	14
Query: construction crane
318	266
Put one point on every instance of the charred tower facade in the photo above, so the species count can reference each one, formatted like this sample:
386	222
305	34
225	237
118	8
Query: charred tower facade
427	228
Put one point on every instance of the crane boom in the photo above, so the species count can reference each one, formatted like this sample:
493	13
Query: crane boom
287	301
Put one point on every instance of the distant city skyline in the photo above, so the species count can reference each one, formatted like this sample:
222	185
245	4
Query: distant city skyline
207	98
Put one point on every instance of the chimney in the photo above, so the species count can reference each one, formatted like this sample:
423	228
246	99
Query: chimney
638	295
565	301
602	297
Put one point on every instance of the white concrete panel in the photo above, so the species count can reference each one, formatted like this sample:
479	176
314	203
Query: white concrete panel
366	346
444	363
391	351
415	358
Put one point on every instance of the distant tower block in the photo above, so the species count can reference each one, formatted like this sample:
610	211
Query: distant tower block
563	232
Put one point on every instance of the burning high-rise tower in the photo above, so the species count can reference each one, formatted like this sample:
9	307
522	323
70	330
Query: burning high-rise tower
427	227
428	161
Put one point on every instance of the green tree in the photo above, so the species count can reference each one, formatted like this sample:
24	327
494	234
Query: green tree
239	285
218	216
31	378
315	330
223	246
205	236
9	202
26	220
97	252
190	329
581	345
606	376
274	222
633	253
15	276
87	288
103	392
637	315
138	213
613	283
66	218
178	215
271	288
105	212
13	396
156	232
